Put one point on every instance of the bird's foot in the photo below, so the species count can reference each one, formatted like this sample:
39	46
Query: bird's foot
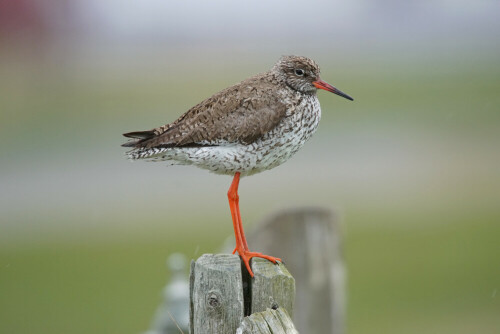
246	256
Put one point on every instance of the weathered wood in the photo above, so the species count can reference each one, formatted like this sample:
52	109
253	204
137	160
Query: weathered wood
268	322
308	240
216	290
221	295
271	287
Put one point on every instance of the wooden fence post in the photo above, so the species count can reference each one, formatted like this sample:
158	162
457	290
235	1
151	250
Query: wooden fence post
268	322
222	293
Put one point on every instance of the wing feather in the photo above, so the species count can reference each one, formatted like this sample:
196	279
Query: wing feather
239	114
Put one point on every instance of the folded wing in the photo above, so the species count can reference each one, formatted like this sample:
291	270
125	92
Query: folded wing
240	114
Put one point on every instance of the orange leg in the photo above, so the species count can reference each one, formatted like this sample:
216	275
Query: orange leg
241	243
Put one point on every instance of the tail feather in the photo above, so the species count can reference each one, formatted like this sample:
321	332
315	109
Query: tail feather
140	135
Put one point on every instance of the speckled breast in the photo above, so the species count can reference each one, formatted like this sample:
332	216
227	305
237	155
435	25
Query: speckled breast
272	149
279	144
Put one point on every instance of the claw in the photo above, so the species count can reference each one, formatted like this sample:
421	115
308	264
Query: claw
246	256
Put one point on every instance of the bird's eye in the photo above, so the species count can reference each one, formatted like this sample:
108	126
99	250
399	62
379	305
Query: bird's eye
299	72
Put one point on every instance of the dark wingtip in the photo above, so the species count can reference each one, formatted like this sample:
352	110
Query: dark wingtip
140	134
130	144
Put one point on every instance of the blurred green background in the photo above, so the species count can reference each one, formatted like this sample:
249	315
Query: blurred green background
412	166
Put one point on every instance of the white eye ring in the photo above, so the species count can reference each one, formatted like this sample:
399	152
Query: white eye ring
299	72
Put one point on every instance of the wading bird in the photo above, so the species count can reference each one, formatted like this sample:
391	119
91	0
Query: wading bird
245	129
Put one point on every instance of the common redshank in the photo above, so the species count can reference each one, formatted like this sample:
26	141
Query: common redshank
245	129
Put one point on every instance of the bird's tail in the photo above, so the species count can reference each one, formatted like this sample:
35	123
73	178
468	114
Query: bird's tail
139	137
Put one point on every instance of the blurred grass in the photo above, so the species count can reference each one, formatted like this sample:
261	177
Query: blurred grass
407	278
440	276
98	286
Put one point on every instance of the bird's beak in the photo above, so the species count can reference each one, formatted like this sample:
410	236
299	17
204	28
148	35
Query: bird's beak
320	84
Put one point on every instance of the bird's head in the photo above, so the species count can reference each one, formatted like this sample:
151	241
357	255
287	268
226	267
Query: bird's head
302	74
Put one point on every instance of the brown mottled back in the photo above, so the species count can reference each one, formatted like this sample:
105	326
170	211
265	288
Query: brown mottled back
241	113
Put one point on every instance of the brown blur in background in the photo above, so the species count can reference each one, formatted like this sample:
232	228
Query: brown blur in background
412	166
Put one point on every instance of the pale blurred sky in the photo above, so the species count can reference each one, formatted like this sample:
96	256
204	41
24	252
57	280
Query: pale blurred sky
300	21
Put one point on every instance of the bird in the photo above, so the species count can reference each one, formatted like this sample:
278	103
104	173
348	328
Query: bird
250	127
